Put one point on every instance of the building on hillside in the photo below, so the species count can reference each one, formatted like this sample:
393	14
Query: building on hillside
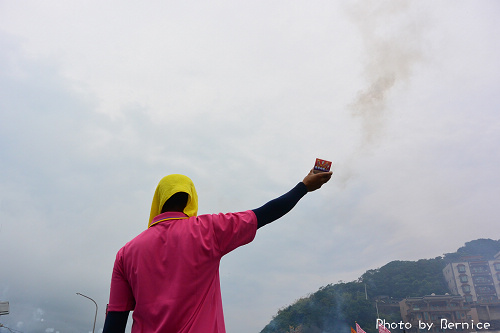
4	308
478	281
436	313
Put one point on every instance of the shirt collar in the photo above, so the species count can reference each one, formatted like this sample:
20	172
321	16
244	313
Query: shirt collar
168	216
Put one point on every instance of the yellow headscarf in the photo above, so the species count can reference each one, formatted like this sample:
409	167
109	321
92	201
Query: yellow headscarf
167	187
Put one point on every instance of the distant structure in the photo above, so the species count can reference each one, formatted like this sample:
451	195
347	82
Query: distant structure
478	281
4	308
429	313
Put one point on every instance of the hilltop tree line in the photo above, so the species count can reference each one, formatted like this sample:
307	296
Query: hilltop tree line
335	307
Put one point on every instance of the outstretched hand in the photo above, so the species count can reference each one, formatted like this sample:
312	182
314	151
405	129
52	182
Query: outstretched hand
314	181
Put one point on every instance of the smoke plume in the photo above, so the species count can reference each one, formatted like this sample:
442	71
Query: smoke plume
390	32
391	36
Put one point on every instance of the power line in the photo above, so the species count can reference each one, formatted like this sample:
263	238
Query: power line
10	329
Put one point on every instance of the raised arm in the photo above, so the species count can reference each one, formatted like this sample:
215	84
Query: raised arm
278	207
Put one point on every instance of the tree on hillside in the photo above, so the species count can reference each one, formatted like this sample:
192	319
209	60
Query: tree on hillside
332	308
400	279
486	248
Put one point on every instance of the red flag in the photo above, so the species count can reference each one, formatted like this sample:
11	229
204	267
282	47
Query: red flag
359	329
383	329
352	330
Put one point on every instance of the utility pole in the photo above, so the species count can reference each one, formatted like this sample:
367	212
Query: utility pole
95	318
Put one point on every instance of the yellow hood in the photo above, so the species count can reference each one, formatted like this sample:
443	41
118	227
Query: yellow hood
167	187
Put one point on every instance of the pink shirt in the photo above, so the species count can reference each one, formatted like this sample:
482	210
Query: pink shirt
169	274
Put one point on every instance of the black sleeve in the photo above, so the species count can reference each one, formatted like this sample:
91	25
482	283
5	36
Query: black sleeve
278	207
116	322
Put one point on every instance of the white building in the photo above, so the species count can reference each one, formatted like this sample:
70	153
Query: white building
478	281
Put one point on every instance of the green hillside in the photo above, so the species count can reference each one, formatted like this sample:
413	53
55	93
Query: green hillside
335	307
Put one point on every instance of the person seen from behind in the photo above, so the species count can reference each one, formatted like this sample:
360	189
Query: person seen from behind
169	274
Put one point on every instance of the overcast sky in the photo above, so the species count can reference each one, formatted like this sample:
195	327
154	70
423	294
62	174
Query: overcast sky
101	99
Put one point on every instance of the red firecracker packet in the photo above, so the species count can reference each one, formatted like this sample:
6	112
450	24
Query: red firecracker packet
322	165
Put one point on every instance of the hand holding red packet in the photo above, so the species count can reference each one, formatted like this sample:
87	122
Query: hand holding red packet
322	166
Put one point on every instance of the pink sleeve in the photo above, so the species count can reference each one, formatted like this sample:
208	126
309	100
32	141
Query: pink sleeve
121	297
233	230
